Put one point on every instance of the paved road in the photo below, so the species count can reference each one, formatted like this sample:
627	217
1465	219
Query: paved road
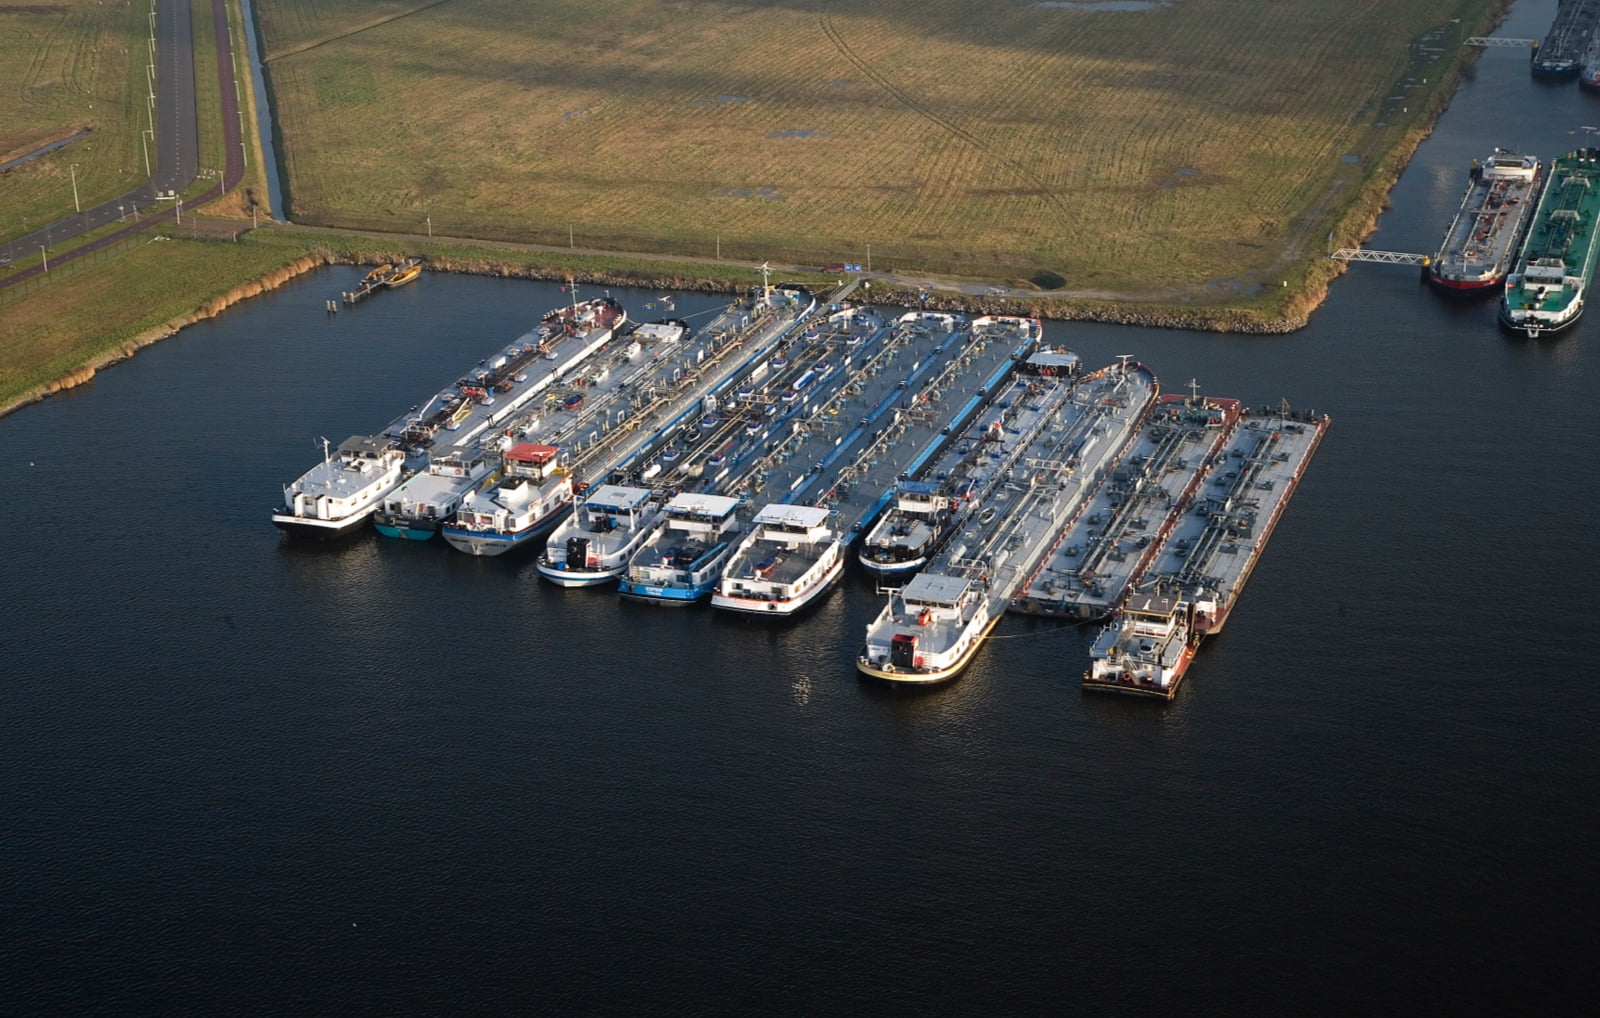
175	154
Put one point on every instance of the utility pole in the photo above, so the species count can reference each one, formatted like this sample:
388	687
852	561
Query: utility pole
46	256
75	206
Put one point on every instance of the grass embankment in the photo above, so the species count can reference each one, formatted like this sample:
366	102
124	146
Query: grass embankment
1192	155
103	313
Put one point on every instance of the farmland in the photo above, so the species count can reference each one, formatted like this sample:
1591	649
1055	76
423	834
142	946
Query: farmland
65	68
1182	152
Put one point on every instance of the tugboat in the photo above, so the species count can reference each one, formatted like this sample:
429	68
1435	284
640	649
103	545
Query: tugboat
1146	647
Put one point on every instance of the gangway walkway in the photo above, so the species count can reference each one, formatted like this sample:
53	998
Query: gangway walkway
1356	254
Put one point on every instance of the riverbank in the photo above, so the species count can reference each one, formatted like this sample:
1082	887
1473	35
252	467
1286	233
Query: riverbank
58	337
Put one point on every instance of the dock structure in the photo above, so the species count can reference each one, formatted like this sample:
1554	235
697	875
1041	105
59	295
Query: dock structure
1356	254
380	278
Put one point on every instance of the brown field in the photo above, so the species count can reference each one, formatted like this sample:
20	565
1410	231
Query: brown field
1185	153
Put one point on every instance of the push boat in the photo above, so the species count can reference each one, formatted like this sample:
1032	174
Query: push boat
534	490
682	557
417	509
594	544
337	495
1546	292
933	626
788	560
1147	649
1488	229
1200	569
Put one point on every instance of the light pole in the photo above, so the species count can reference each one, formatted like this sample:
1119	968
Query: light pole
430	226
180	210
46	256
75	206
121	215
146	146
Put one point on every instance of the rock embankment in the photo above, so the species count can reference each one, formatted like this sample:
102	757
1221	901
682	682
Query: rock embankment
1032	306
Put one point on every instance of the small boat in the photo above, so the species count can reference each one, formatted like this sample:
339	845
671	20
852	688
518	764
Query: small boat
1146	648
378	274
404	274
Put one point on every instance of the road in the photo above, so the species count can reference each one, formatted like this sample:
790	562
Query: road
175	154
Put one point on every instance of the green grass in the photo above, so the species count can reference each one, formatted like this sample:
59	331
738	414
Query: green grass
66	65
1138	155
83	315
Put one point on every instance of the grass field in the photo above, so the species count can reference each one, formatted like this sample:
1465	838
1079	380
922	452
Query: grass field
65	65
1188	152
85	315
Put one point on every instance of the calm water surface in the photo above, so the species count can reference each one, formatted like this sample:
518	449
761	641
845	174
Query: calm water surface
249	775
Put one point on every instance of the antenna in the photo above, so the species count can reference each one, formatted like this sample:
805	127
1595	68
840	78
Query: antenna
1194	392
766	283
1124	358
325	457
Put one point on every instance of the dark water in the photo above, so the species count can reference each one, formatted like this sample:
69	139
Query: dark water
245	775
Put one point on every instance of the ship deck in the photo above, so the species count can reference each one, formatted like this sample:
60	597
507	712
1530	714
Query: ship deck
1093	562
565	353
620	446
1217	541
1481	241
1562	236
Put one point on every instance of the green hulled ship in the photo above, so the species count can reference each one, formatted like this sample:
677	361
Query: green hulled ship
1545	292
